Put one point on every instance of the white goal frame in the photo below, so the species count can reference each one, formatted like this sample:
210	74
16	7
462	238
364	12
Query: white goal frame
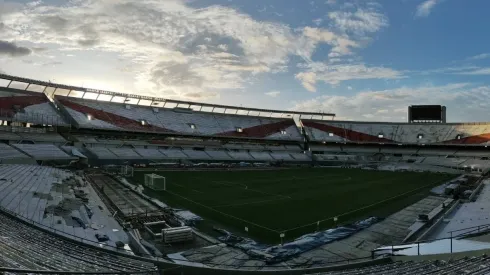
123	170
150	181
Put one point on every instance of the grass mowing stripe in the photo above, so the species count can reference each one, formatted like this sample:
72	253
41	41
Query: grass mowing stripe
365	207
222	213
252	190
248	203
316	194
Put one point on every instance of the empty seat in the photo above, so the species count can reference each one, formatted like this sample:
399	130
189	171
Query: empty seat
23	246
125	153
102	152
218	155
264	156
194	154
42	151
8	152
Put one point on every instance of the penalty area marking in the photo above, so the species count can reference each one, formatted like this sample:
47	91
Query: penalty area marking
187	188
222	213
368	206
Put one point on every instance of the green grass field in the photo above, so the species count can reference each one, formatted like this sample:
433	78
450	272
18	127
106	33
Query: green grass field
269	202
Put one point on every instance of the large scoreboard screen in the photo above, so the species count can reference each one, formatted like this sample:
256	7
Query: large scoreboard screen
427	113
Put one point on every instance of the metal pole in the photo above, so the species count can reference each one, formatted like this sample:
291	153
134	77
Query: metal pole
418	248
451	242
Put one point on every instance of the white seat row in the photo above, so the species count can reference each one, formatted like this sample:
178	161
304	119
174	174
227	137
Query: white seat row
102	152
23	246
407	133
43	151
8	152
114	116
473	265
261	156
218	155
125	153
47	137
150	153
281	156
194	154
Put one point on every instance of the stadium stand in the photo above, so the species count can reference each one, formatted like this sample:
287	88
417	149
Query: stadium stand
125	153
237	155
281	156
465	265
9	153
300	156
43	151
23	246
101	153
117	116
407	133
31	107
174	154
194	154
8	135
261	156
218	155
150	153
73	151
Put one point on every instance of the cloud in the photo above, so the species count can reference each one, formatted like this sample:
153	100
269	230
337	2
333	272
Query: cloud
172	47
425	8
349	88
273	93
479	56
341	45
308	80
12	50
360	22
41	64
334	74
179	50
464	102
480	71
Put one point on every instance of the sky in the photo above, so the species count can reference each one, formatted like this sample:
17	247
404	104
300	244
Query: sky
361	59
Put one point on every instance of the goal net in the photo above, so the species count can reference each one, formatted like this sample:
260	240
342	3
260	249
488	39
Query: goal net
122	170
155	182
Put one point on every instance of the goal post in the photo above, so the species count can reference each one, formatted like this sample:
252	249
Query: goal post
155	182
122	170
127	170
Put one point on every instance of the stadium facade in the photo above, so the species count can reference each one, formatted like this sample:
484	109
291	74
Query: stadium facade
52	124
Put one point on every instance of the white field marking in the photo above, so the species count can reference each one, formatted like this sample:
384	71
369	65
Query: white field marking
224	214
248	203
367	206
187	187
270	179
262	192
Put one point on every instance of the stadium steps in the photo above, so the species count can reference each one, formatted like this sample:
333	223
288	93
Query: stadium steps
473	265
23	246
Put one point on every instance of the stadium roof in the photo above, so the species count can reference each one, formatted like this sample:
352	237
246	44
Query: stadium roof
75	91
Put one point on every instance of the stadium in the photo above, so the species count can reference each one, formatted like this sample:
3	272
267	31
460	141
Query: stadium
98	182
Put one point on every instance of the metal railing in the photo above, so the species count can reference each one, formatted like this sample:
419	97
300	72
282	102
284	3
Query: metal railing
162	260
468	231
32	117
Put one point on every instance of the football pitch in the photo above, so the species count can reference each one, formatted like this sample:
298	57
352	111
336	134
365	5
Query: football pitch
290	201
